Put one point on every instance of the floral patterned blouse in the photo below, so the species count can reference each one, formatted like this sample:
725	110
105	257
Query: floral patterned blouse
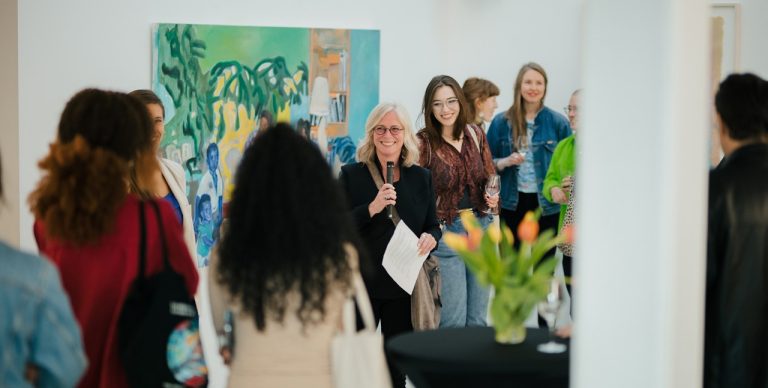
453	171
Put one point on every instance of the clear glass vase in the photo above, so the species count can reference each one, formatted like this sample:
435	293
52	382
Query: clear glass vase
510	334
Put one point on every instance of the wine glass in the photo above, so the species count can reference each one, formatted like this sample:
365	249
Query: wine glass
492	187
548	308
521	146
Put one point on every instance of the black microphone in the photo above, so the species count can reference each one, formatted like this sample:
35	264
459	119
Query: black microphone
390	178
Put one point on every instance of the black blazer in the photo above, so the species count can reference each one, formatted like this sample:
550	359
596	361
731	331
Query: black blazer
736	317
415	205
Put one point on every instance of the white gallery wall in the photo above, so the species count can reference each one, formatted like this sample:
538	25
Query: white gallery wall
65	46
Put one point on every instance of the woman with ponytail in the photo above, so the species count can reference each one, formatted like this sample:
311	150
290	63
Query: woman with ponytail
88	224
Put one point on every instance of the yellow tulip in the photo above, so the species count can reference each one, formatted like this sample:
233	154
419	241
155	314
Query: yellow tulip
494	234
457	242
508	234
469	221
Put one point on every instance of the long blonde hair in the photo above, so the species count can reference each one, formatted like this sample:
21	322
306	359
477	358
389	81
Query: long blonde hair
516	113
409	154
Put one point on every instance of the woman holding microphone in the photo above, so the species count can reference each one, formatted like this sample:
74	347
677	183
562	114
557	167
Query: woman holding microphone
390	139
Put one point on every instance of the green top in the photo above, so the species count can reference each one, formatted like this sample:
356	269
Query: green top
563	164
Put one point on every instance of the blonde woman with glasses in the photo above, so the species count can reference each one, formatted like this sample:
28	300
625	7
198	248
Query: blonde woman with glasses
389	138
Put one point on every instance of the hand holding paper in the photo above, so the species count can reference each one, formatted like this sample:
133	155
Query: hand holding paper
402	258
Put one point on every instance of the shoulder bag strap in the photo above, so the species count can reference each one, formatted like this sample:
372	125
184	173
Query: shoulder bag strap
379	182
474	137
161	232
142	241
360	296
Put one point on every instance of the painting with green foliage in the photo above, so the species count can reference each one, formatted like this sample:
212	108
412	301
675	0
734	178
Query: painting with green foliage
221	85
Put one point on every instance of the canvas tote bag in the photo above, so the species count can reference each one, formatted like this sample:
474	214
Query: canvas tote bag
357	358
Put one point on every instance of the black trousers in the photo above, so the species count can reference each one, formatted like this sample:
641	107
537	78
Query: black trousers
529	202
568	272
395	318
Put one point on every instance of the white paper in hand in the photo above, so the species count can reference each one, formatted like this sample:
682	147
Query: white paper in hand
401	258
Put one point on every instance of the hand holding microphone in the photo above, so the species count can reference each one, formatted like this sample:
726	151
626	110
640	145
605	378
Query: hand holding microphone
386	197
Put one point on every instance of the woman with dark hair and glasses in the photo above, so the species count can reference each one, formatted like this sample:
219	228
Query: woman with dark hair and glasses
389	138
88	223
457	154
284	264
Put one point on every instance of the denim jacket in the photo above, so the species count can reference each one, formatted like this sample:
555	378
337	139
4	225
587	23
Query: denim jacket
549	128
37	325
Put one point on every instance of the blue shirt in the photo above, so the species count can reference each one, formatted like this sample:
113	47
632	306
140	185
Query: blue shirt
175	206
549	127
526	176
37	325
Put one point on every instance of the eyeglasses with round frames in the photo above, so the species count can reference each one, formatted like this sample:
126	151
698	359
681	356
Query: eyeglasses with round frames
394	130
452	103
571	108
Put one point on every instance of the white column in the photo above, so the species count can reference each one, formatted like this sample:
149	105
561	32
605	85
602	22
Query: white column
9	130
642	192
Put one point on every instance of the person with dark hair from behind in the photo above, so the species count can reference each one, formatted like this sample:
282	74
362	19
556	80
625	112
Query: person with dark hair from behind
284	264
736	320
41	341
87	222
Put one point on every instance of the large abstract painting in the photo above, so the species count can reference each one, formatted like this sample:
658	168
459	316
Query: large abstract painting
221	85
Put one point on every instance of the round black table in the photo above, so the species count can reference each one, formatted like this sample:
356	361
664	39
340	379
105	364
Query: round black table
470	357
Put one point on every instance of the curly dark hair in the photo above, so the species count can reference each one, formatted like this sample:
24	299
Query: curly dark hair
101	134
287	231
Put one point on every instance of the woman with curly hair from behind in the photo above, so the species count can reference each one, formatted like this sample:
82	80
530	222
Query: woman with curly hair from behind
284	264
88	224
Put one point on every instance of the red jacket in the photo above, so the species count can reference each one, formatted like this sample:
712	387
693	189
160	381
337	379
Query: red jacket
98	276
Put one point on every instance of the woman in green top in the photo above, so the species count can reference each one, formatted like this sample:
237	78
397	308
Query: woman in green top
559	179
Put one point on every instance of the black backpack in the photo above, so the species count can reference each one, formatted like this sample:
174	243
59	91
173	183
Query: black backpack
159	340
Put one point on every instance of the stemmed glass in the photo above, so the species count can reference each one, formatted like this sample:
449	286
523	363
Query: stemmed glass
548	308
521	146
492	187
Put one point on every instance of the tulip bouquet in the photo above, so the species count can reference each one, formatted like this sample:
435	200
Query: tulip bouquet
520	277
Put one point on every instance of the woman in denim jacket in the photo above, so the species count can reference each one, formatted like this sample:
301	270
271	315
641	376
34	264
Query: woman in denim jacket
522	141
40	338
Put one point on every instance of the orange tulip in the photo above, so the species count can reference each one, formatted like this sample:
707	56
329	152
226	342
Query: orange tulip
528	228
457	242
568	234
475	237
